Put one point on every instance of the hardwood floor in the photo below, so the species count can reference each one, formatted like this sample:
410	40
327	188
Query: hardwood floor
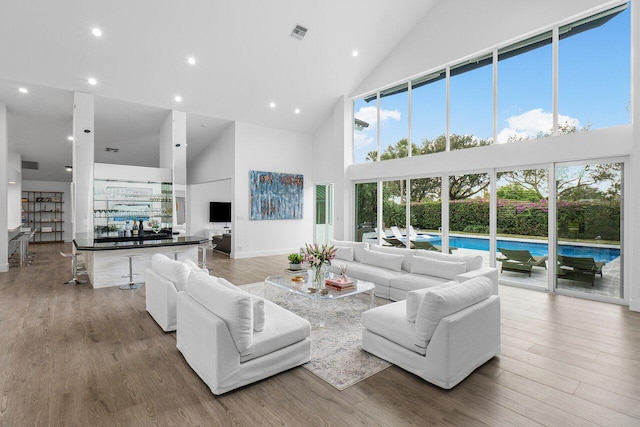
78	356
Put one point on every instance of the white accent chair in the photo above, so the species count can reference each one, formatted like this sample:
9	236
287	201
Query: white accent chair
229	343
164	280
442	334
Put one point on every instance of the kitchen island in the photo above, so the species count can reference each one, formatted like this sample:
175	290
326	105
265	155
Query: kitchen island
106	259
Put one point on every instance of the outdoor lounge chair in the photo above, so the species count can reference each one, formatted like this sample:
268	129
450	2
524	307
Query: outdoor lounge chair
520	260
430	247
581	269
395	242
397	234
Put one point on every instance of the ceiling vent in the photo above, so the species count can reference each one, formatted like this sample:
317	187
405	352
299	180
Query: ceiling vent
111	150
30	165
299	32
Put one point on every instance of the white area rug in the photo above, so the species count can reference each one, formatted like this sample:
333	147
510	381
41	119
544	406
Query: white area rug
336	356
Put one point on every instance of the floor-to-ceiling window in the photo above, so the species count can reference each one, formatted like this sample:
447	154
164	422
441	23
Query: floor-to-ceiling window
365	125
425	223
324	213
429	113
366	209
522	224
394	210
589	228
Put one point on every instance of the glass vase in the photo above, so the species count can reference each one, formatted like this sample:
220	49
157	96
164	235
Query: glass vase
318	276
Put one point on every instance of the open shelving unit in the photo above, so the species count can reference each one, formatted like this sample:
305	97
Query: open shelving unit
42	211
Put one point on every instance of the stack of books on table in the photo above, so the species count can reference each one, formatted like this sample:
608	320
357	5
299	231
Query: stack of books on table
339	284
293	273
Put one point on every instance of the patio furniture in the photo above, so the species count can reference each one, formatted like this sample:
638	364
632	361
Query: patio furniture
394	242
396	233
520	260
430	247
580	269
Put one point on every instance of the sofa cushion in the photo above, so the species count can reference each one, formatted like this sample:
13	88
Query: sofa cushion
371	273
284	328
442	302
344	253
175	271
384	260
357	247
233	306
405	252
259	316
438	268
389	321
337	263
472	262
411	282
414	298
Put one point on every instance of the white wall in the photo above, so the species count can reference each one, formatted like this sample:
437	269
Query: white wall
14	191
273	150
217	161
455	29
4	153
63	187
199	197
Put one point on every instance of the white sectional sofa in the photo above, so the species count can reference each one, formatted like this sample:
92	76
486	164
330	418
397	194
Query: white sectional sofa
397	271
442	334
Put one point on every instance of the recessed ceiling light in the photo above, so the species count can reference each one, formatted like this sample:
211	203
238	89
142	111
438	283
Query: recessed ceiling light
12	182
96	32
92	81
272	105
297	111
178	98
204	125
23	90
354	53
70	138
191	60
68	168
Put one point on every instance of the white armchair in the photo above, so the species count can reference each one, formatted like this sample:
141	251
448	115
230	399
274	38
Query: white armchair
164	280
442	334
230	341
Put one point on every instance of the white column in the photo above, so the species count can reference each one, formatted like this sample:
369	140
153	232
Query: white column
83	159
173	155
4	154
631	228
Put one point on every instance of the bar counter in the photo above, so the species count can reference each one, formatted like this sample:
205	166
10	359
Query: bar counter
107	262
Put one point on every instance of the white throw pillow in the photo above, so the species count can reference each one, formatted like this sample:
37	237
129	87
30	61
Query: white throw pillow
381	259
358	247
442	302
235	307
405	252
344	252
193	266
174	271
259	316
433	267
473	262
414	298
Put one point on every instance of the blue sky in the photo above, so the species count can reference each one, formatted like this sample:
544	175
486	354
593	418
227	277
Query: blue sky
593	89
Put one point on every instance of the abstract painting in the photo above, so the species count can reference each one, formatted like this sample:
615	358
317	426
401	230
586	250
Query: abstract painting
276	195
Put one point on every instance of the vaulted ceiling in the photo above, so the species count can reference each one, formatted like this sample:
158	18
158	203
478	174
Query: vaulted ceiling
245	57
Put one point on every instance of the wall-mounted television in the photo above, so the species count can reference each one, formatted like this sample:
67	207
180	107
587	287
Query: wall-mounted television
219	211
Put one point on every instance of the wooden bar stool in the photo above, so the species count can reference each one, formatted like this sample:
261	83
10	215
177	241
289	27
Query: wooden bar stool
131	285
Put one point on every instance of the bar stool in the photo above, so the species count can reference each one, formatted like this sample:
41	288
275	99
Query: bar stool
131	284
203	254
74	269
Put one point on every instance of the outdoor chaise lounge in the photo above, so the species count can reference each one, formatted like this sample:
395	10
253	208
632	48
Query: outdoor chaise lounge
394	242
520	260
431	247
581	269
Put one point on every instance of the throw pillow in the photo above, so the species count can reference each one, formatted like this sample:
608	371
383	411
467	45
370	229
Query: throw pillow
440	303
405	252
174	271
259	316
344	252
381	259
193	266
357	247
414	298
433	267
233	306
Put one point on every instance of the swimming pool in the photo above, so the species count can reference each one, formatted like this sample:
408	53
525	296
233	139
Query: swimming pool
603	254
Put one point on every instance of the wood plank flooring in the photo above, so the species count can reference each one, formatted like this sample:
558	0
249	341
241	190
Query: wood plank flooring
77	356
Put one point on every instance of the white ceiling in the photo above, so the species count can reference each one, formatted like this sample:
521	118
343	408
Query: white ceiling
246	58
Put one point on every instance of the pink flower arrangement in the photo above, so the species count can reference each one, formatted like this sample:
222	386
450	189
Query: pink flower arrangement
315	255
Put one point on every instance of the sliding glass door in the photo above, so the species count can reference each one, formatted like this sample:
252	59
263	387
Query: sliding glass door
324	213
589	228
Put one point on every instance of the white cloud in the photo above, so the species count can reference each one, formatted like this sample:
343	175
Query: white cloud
369	115
531	123
362	140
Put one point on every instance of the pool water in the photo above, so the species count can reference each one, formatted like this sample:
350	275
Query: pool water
536	249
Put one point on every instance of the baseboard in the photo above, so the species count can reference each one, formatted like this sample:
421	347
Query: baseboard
4	267
634	305
240	255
